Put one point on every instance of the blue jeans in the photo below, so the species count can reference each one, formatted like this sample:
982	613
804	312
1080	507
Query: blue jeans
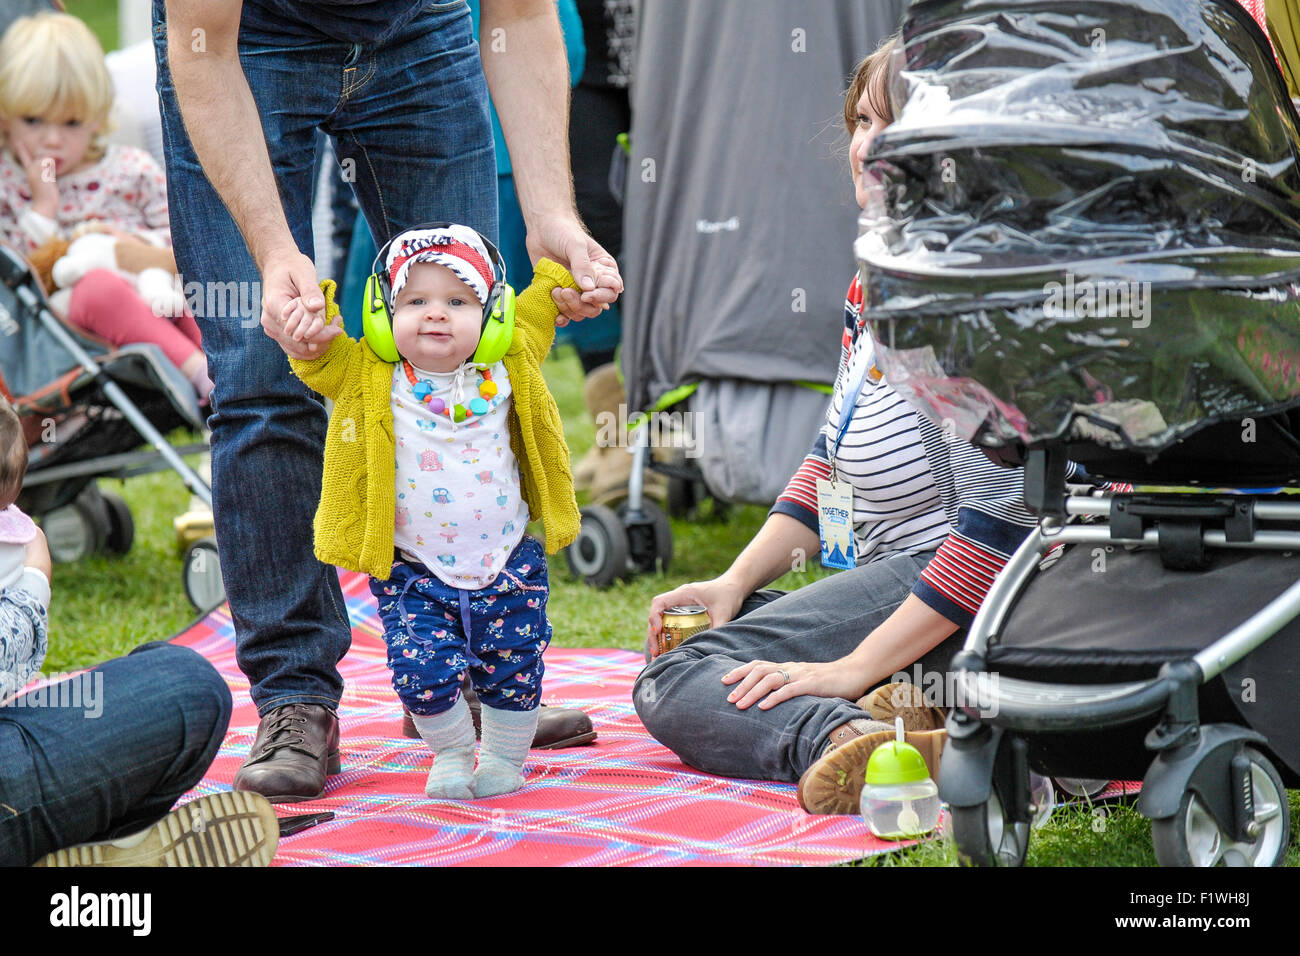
682	701
435	633
140	731
409	122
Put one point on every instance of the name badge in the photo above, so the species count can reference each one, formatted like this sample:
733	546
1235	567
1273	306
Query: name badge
835	521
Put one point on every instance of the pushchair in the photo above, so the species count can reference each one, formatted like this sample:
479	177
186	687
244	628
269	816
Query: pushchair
733	313
85	409
1084	245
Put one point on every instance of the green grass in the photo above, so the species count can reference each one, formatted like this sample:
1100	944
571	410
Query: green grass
104	606
1080	834
100	16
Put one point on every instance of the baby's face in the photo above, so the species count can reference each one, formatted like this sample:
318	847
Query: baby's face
436	319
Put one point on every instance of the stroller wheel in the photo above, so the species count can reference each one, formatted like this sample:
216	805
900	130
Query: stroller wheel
121	527
996	832
1192	836
987	836
599	554
76	530
202	575
1084	787
650	543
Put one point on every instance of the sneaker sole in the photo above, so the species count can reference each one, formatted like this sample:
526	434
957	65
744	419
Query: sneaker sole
834	783
884	704
231	828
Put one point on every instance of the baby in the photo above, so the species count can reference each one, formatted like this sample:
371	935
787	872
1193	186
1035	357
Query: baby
24	567
444	441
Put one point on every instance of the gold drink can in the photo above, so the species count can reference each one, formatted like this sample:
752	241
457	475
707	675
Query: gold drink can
682	621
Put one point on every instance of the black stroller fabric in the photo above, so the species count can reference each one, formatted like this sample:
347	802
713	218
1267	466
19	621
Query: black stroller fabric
1110	615
1087	222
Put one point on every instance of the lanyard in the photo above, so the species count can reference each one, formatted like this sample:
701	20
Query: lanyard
847	409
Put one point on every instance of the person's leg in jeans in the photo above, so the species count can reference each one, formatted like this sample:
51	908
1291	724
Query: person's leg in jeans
407	115
414	121
148	728
682	701
268	429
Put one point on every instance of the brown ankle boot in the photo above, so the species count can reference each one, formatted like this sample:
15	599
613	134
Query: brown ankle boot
295	750
834	783
903	699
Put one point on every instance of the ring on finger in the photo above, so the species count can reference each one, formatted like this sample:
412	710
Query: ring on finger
784	674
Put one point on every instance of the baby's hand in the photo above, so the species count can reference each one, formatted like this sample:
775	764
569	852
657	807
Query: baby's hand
303	325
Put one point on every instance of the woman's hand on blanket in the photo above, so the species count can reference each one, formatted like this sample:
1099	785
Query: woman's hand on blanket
290	276
720	598
767	684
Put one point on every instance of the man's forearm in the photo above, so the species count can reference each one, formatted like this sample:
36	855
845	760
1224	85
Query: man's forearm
222	121
528	76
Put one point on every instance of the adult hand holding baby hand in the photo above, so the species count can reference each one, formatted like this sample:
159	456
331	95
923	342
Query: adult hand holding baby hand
562	239
310	328
289	281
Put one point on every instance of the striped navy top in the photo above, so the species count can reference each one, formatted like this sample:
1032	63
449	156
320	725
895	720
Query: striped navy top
915	487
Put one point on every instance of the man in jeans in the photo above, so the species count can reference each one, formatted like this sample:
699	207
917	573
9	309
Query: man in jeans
399	87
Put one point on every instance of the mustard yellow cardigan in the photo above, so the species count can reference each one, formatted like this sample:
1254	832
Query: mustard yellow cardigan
355	520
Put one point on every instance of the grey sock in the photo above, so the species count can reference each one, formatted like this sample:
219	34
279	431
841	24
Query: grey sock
507	737
450	735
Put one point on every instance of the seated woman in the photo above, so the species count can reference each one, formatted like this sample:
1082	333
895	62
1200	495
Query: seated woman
777	688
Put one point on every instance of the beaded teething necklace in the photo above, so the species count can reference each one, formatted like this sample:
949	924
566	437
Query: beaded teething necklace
423	391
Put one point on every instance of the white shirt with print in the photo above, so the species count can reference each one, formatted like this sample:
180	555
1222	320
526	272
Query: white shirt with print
459	510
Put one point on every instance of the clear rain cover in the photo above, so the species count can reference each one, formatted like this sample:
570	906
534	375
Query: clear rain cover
1084	224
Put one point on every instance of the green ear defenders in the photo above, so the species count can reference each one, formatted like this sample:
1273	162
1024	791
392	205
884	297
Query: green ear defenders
498	311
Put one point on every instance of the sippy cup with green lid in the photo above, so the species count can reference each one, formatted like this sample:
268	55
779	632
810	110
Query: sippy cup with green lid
899	799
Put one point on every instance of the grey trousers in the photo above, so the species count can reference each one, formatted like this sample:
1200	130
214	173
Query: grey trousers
682	701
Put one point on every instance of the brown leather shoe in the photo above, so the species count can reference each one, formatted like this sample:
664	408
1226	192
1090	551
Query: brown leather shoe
560	727
296	748
557	727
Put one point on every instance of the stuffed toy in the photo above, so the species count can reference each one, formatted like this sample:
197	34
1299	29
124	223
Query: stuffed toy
152	269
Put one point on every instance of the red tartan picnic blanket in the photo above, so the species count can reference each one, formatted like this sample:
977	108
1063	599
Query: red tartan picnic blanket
625	800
